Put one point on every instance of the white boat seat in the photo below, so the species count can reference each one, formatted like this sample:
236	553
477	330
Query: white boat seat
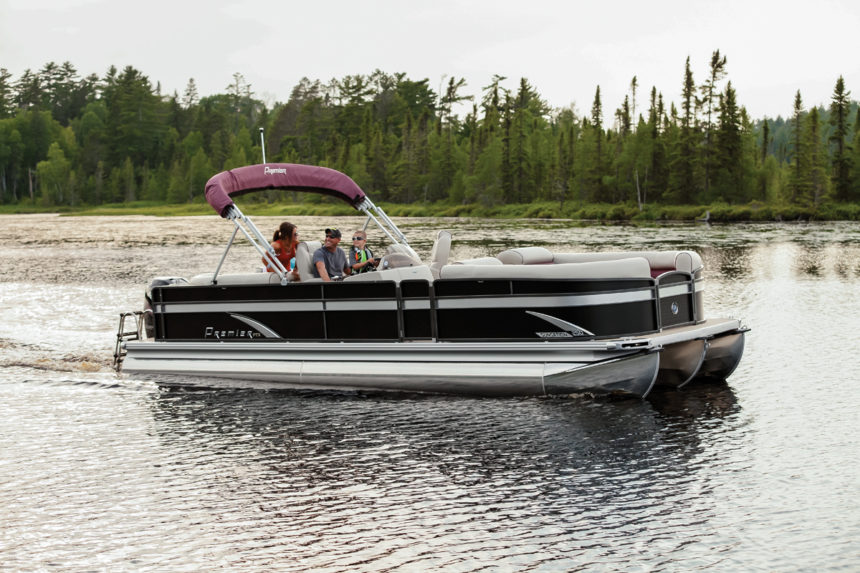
636	267
421	272
237	279
526	256
304	260
440	253
659	261
480	261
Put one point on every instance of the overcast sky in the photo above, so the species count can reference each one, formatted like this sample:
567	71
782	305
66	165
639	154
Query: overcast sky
564	48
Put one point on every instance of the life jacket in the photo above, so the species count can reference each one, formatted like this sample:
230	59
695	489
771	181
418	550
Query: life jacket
359	256
282	255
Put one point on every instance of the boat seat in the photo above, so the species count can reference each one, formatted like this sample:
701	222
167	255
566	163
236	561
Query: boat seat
659	261
480	261
634	267
397	249
421	272
237	279
526	256
304	260
440	253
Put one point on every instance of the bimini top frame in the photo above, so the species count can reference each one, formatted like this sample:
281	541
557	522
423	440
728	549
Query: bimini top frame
221	189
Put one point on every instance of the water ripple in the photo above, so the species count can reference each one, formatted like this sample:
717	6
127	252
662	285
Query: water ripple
105	473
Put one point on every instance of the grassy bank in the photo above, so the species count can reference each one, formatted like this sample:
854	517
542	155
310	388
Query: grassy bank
544	210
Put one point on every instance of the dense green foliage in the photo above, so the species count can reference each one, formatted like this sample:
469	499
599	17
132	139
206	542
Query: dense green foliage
67	141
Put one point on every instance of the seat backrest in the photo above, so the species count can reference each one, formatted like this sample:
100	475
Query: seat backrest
479	261
440	253
304	259
660	261
526	256
635	267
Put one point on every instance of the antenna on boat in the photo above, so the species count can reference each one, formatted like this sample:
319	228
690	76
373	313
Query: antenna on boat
263	144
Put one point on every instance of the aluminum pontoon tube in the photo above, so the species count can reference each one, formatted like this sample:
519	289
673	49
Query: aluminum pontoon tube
483	369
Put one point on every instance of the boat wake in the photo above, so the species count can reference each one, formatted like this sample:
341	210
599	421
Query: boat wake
35	357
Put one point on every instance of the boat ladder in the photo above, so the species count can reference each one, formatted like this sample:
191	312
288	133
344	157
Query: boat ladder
123	335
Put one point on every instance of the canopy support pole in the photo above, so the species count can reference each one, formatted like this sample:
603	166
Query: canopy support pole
252	233
368	208
224	256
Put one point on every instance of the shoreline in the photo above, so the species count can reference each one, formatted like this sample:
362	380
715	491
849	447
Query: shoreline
607	213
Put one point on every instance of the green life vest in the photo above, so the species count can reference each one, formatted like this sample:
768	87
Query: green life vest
360	256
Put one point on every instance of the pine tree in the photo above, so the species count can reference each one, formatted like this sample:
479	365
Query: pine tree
728	149
522	122
765	140
634	86
818	180
7	103
762	185
653	178
841	149
28	91
709	93
683	154
594	174
190	97
798	186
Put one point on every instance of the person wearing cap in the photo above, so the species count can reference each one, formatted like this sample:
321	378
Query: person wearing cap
360	257
329	261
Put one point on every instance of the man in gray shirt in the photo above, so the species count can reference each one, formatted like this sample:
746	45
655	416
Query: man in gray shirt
329	260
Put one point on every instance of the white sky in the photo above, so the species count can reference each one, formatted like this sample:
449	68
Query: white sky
564	48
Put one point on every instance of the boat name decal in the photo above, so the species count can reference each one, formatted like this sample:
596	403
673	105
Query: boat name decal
269	171
555	334
212	332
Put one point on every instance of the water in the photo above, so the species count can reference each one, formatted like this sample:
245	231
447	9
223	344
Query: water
99	472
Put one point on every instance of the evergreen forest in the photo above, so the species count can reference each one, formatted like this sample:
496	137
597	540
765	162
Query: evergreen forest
68	141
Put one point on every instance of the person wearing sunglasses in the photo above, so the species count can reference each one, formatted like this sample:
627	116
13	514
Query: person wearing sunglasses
329	261
361	259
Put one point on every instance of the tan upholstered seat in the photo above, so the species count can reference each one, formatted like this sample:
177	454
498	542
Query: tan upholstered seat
421	272
526	256
304	260
636	267
440	253
660	261
237	279
479	261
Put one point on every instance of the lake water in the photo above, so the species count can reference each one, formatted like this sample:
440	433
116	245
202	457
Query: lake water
100	472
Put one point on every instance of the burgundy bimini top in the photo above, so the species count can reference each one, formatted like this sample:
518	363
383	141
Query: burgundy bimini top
222	187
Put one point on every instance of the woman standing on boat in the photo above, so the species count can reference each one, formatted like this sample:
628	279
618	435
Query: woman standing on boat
284	242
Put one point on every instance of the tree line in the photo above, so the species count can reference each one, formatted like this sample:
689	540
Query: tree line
72	140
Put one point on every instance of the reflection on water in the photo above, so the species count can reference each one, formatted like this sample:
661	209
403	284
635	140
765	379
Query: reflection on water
730	262
507	481
100	472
